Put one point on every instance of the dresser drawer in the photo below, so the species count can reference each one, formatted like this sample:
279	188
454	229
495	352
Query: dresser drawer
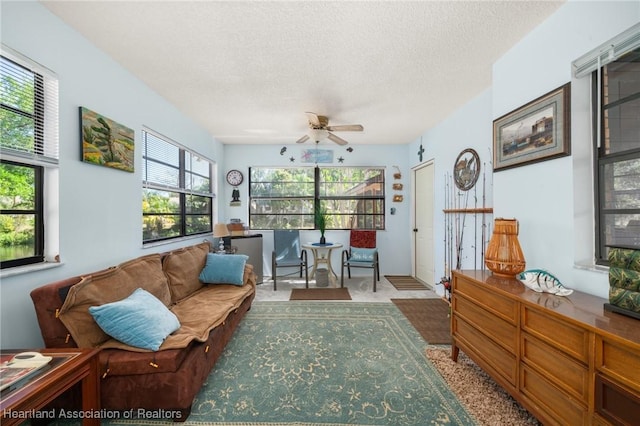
569	374
618	362
556	403
495	328
490	300
499	359
616	403
566	337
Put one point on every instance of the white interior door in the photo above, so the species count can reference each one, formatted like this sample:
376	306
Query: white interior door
423	229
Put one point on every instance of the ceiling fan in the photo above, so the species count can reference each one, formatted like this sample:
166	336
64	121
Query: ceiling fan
319	129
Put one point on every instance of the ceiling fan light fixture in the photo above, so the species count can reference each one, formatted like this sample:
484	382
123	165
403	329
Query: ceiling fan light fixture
316	135
320	130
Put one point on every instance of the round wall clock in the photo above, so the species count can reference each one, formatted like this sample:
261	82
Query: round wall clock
466	169
234	177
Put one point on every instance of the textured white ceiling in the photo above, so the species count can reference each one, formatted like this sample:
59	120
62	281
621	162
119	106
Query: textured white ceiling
247	71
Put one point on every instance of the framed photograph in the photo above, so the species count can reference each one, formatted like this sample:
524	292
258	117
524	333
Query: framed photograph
397	186
105	142
537	131
317	155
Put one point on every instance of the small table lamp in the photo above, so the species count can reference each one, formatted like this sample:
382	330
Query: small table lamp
219	231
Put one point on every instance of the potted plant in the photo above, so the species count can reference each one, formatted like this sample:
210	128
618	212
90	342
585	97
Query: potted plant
320	219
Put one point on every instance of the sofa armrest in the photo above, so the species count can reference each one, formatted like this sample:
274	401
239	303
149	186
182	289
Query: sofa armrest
47	301
248	275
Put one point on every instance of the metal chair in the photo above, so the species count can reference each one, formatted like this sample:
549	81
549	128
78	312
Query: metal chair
287	252
362	253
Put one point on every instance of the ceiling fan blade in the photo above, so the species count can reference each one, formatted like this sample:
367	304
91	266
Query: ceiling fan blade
313	118
346	128
337	139
303	139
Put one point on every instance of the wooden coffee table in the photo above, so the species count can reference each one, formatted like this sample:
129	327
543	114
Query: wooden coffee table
68	367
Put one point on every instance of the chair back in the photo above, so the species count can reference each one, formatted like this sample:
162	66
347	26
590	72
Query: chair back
286	245
362	238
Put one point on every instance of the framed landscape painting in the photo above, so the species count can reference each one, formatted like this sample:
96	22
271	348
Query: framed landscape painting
537	131
105	142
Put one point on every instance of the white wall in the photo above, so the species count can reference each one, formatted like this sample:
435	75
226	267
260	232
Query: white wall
552	200
394	242
554	211
100	208
469	127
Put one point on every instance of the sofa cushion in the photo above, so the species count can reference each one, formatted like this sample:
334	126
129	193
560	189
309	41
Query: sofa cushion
205	310
110	286
201	312
140	320
224	269
182	268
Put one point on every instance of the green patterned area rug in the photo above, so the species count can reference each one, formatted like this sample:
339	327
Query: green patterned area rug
330	363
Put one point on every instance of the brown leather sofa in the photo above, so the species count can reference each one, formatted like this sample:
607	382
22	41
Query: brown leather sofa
167	380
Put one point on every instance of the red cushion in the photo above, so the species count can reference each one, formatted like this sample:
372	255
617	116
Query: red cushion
362	238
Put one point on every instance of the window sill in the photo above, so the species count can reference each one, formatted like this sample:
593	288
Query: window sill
591	267
202	237
19	270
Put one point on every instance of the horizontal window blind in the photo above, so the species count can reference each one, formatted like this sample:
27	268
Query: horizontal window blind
607	52
177	190
161	162
169	165
28	110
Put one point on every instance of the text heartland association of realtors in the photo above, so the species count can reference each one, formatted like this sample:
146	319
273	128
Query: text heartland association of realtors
139	413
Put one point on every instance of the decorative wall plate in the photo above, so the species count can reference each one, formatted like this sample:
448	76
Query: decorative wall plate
466	169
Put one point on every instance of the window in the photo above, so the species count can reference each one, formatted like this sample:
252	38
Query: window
353	197
617	168
286	198
29	148
177	194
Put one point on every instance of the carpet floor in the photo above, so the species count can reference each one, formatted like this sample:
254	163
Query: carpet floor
329	363
429	316
320	294
338	364
405	282
478	392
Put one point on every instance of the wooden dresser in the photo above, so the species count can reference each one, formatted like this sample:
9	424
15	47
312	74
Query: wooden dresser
565	359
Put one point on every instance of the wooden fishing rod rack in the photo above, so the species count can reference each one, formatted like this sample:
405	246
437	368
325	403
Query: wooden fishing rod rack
475	210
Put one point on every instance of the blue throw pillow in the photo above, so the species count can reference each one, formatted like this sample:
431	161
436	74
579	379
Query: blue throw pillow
140	320
224	269
362	254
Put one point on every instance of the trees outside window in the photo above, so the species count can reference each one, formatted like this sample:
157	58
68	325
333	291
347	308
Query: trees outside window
29	148
177	194
286	198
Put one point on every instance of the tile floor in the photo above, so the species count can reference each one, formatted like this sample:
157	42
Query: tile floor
360	289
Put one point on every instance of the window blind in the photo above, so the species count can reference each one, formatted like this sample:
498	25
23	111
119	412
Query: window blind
607	52
28	110
169	165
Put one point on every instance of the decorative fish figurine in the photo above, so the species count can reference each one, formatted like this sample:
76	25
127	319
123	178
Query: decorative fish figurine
543	282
